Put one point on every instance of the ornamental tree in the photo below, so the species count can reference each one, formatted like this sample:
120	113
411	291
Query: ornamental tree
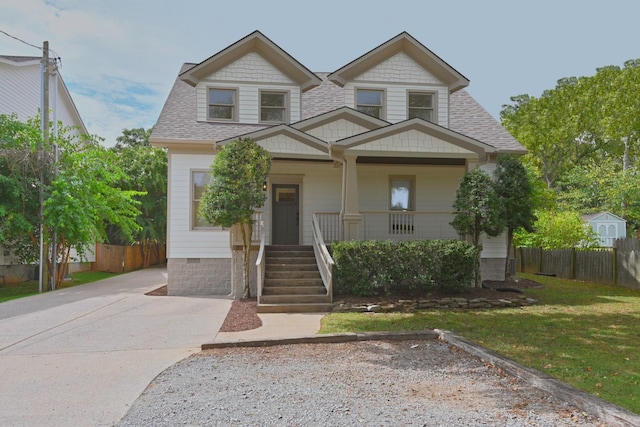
235	191
477	210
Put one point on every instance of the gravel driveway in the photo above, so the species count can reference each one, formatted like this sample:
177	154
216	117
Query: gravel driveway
372	383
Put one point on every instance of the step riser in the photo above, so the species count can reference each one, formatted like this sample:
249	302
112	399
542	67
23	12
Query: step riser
292	267
288	283
295	299
294	290
292	275
295	308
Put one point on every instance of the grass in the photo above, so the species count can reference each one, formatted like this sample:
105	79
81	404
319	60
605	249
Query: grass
25	289
584	334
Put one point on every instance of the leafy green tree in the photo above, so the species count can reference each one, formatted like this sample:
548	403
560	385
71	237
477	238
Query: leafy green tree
477	210
235	191
145	168
515	193
80	196
557	230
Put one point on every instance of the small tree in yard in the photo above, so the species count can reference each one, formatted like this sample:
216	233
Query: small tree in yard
514	190
235	190
477	210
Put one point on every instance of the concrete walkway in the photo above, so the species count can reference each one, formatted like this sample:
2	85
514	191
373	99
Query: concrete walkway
81	356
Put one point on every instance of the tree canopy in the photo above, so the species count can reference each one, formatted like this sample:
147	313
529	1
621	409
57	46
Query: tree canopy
235	191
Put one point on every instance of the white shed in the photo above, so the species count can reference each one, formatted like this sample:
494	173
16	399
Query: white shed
607	226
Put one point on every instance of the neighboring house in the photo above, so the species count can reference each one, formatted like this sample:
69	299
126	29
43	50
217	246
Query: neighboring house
607	226
20	94
373	150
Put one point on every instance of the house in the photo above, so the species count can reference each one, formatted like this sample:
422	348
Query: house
373	150
607	226
20	94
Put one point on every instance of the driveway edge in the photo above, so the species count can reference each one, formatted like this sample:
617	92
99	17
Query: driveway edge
611	414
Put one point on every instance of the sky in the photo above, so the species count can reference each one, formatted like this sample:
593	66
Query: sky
121	57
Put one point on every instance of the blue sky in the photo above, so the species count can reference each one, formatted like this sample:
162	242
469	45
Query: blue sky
120	58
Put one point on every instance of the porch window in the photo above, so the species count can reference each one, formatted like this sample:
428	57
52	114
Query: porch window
402	196
199	180
420	104
222	104
370	102
273	107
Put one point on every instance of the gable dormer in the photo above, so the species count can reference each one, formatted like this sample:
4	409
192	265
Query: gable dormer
399	80
253	81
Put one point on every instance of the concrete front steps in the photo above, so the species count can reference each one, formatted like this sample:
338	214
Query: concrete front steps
292	282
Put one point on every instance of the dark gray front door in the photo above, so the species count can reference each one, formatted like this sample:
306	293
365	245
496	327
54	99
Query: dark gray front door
286	214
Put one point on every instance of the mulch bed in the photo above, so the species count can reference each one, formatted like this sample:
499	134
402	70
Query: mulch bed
243	314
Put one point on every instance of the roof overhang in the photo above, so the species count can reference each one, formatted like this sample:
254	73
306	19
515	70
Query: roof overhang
403	42
259	43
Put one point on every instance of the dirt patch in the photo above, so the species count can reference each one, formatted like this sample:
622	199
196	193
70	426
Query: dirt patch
160	292
242	316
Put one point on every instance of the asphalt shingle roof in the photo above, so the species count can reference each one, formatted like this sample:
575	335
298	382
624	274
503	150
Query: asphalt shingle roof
177	119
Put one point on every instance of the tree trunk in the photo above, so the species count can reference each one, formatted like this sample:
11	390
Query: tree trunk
246	253
507	273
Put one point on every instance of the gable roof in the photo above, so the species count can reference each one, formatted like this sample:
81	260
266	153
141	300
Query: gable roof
594	216
422	126
403	42
259	43
344	113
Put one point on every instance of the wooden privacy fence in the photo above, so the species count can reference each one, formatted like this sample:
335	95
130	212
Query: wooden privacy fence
123	259
618	266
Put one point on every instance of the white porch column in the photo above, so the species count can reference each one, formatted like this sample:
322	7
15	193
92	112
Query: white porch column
351	217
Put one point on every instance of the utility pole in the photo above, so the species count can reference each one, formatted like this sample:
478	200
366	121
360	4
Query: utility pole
44	124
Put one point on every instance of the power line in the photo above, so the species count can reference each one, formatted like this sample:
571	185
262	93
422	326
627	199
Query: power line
20	40
57	61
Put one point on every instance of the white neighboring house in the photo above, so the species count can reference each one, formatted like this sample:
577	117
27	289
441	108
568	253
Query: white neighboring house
607	226
373	150
20	89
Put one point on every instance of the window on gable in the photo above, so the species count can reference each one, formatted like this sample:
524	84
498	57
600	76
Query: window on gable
273	107
370	102
222	104
421	104
199	180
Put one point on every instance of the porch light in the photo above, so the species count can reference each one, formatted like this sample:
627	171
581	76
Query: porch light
264	185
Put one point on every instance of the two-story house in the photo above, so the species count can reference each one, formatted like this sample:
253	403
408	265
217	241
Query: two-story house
373	150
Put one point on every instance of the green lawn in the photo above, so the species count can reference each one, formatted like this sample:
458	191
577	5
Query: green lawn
25	289
584	334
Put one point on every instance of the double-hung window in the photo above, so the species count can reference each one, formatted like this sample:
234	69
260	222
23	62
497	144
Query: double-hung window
402	189
370	102
273	107
223	104
199	180
420	104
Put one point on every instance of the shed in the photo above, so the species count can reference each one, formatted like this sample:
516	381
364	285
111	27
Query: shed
607	227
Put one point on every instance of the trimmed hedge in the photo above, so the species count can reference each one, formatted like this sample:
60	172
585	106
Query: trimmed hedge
375	268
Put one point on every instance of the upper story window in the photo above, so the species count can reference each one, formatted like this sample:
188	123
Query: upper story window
370	102
273	107
421	104
223	104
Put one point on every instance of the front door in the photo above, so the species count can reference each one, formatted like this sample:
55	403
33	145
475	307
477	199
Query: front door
286	214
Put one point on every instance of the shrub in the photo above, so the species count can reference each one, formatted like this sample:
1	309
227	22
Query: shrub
371	268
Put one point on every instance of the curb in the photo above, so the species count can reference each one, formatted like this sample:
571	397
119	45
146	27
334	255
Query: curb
607	412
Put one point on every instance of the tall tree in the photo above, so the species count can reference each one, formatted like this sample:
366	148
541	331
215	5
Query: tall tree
235	191
145	168
514	190
477	210
80	198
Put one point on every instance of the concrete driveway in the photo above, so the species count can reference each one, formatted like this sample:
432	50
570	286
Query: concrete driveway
81	356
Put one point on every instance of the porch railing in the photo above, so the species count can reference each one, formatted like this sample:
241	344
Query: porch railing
257	229
323	258
393	225
260	264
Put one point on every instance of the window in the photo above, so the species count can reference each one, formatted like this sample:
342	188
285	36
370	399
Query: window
402	203
222	104
420	104
370	102
273	107
199	181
